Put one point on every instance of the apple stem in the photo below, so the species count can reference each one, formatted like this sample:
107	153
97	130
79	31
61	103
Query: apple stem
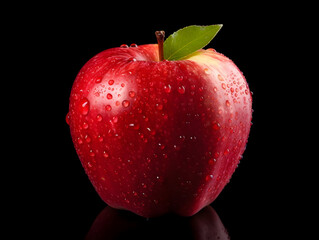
160	35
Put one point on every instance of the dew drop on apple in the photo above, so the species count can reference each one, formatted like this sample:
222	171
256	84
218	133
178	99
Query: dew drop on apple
84	106
223	85
99	118
115	119
181	89
216	126
87	138
85	125
133	45
124	46
132	59
220	78
105	154
111	82
212	161
100	138
109	96
126	103
167	88
108	108
91	153
67	118
226	151
98	80
80	141
159	106
179	78
209	177
132	94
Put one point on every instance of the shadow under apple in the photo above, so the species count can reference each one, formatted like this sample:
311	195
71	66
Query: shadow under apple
120	224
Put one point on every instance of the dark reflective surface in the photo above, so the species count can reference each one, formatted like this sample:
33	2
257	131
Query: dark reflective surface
117	224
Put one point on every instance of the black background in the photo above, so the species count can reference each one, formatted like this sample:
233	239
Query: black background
50	193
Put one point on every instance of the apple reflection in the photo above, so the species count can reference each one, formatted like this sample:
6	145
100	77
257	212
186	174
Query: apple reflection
117	224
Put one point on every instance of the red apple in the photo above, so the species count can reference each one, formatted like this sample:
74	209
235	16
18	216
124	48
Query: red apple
159	136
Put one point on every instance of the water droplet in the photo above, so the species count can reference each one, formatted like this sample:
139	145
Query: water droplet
99	117
126	103
211	161
85	125
67	118
227	103
167	88
109	96
124	46
209	177
122	84
111	82
159	106
100	138
98	80
85	106
115	119
161	146
87	138
131	59
207	71
108	108
216	126
133	45
226	151
220	78
223	85
179	78
75	96
215	89
80	141
131	94
181	89
91	153
105	154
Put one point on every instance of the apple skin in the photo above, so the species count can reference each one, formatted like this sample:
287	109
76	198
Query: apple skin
159	136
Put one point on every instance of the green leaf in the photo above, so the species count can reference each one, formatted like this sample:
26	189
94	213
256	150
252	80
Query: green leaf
188	40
